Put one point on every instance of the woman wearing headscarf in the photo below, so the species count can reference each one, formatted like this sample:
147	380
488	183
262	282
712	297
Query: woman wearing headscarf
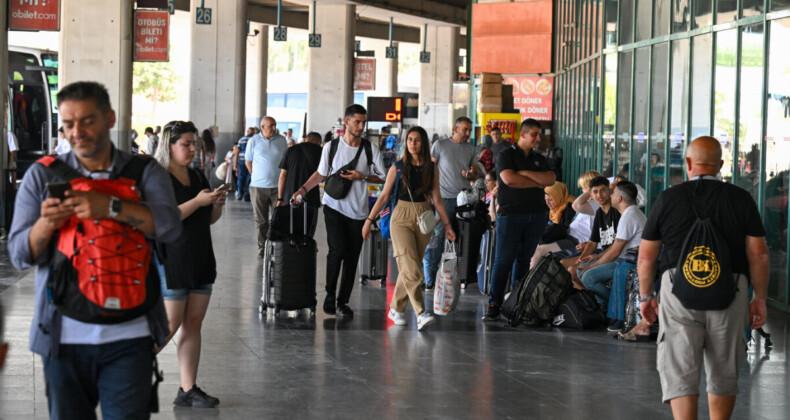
561	215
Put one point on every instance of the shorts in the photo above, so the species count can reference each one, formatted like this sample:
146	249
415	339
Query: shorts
686	338
180	294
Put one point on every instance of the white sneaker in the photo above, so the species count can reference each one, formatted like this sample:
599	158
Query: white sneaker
397	317
424	320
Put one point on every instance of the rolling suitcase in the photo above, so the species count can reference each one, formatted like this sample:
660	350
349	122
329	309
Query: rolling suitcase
485	265
373	259
468	237
289	271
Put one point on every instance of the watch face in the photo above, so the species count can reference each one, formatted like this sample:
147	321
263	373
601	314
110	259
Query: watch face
115	205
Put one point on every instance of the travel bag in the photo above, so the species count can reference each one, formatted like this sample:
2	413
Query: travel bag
374	257
538	295
289	270
485	265
580	310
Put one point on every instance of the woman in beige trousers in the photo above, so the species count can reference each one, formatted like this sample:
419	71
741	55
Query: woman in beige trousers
419	183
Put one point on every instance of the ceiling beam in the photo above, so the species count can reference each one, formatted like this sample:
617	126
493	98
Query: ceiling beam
428	9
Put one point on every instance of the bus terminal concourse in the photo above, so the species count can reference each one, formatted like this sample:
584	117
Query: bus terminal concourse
293	364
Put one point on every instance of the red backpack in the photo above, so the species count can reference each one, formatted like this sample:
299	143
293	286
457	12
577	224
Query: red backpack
102	271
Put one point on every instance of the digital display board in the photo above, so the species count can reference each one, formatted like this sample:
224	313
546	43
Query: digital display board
387	109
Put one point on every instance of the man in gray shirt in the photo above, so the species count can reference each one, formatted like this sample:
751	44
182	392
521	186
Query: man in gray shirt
457	163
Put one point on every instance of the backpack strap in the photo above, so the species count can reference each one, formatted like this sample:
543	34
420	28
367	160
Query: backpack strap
60	168
134	168
332	153
368	151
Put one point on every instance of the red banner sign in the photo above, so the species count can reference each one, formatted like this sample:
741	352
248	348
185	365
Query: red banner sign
151	33
34	15
365	74
533	96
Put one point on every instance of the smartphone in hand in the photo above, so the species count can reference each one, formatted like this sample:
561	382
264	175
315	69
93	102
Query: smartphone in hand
223	187
58	189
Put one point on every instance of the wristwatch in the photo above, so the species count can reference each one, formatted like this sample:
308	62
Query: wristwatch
115	207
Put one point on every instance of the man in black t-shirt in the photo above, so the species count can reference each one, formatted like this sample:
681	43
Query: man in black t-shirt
522	213
298	164
686	336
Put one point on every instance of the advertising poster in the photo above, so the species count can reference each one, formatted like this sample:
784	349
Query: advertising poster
39	15
151	34
533	96
365	74
509	124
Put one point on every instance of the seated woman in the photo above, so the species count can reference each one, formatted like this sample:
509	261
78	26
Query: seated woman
490	198
556	236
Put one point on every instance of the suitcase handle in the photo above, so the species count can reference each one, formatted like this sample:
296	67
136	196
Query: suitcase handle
304	219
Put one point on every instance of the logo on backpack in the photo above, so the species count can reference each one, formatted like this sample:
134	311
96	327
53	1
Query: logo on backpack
701	267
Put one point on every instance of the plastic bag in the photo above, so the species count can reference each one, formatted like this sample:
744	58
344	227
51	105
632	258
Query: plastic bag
448	287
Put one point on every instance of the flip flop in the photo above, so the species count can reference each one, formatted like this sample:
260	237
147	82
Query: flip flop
633	337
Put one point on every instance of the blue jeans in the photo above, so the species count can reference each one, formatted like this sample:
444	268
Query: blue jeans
430	262
596	278
617	296
243	182
517	236
117	375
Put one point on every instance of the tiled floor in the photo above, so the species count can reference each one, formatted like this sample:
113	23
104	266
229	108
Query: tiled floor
296	367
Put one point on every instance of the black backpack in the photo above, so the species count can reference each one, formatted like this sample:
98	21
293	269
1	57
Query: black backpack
580	310
703	277
536	299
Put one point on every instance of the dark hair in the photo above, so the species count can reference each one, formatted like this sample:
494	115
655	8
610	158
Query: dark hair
314	136
599	181
175	129
355	109
148	130
628	191
462	119
208	141
494	129
493	174
531	123
82	91
328	137
425	158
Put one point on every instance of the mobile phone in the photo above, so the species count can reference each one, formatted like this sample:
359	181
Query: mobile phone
223	187
58	189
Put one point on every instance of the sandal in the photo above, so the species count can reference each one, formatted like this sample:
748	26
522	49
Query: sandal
633	337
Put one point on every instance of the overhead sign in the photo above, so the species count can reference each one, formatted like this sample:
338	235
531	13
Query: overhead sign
203	16
314	41
34	15
392	52
425	57
533	96
280	33
389	109
365	74
151	33
171	6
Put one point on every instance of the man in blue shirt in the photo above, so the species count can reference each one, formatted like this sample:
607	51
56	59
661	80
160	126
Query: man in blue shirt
243	182
262	158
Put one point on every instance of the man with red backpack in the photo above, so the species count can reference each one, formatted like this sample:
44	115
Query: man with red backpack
98	311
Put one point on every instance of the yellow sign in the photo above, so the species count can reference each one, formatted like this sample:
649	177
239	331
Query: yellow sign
701	267
509	124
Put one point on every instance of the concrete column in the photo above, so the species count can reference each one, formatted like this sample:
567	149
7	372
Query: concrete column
218	70
257	74
386	71
331	66
437	77
96	44
4	97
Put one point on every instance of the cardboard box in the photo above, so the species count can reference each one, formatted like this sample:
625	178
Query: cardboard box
491	89
496	108
491	100
490	78
507	96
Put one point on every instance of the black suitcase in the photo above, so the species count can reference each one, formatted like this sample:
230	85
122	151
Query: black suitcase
289	271
468	237
374	257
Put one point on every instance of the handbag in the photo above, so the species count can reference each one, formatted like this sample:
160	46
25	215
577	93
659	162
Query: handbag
385	215
336	186
448	287
425	220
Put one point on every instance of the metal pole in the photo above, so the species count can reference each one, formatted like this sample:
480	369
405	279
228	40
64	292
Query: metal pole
424	38
313	17
390	31
279	11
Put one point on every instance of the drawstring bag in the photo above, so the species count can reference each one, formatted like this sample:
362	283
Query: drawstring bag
448	287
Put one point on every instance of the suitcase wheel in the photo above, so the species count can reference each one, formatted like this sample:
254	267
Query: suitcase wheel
363	280
463	285
384	282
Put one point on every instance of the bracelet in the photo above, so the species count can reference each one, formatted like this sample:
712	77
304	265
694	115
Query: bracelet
371	220
280	199
647	298
302	188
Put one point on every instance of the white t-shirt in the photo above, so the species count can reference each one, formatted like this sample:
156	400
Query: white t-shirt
355	204
63	146
582	224
629	229
76	332
12	143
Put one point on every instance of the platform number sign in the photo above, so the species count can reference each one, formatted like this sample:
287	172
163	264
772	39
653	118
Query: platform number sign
425	57
281	33
392	52
357	45
314	41
203	16
171	6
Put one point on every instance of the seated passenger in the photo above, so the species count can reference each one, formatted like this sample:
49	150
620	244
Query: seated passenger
491	190
599	271
579	229
561	214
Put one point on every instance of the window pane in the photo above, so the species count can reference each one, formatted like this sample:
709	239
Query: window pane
727	10
777	5
703	15
624	113
750	120
751	7
661	18
677	120
641	100
644	18
777	166
275	100
297	101
724	105
611	22
626	22
609	110
680	15
700	82
658	121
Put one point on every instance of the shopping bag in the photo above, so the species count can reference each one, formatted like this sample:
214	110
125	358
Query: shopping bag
448	287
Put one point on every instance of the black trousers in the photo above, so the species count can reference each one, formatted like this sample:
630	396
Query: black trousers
344	237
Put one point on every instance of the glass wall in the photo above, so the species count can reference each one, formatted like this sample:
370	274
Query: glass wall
636	81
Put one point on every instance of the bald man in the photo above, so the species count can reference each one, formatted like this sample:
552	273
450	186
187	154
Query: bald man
694	324
262	158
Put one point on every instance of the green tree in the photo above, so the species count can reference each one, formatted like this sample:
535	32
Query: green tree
156	81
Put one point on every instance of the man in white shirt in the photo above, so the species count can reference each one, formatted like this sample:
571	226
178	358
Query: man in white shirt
346	216
629	235
151	141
